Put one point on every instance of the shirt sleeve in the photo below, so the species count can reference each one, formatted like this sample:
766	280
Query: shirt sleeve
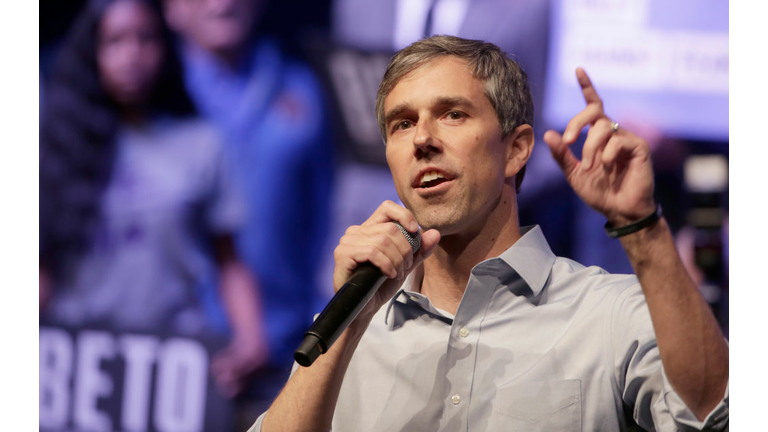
644	387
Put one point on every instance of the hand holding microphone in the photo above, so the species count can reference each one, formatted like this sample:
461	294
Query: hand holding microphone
372	261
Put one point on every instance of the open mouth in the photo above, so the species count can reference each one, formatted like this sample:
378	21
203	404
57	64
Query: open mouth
431	179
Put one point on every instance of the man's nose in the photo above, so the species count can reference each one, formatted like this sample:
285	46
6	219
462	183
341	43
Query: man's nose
424	139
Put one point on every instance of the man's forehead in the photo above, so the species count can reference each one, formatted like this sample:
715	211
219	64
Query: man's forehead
444	71
439	63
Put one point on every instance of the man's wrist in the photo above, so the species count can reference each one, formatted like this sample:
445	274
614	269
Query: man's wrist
622	228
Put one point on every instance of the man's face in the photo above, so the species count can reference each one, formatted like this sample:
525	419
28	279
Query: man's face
444	147
215	25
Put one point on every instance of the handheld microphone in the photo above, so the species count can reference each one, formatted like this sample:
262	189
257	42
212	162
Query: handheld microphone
345	306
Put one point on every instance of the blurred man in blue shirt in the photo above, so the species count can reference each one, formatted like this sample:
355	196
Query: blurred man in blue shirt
270	111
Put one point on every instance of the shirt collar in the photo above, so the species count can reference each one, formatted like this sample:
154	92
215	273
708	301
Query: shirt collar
530	257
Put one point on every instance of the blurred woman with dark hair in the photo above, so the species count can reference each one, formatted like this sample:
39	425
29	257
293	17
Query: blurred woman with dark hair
136	208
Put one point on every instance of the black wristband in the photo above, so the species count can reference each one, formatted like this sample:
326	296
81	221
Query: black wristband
634	226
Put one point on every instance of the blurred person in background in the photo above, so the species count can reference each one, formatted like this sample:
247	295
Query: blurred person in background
136	209
269	108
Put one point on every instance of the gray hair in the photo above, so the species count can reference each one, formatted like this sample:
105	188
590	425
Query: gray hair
506	83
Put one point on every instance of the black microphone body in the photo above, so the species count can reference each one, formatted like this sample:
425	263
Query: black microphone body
344	307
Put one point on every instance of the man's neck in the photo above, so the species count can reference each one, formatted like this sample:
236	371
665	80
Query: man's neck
447	270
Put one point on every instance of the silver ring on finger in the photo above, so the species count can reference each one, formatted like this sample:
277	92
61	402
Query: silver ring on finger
614	127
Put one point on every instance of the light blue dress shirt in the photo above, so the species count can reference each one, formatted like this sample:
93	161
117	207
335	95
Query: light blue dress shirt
538	343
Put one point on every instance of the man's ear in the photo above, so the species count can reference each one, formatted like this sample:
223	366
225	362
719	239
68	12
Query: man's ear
175	12
519	146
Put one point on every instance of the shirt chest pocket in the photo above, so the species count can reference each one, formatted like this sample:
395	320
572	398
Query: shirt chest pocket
544	406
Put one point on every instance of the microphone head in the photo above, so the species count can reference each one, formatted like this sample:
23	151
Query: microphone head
413	238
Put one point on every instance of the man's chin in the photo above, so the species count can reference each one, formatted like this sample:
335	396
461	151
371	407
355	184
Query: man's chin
445	225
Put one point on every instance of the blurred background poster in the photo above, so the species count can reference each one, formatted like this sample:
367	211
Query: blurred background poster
665	63
99	379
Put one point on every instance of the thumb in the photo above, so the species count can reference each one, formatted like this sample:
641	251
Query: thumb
561	152
429	240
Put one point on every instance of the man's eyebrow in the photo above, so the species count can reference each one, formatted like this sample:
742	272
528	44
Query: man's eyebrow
446	101
440	101
396	111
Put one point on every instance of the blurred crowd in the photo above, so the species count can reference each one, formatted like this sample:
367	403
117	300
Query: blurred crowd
199	159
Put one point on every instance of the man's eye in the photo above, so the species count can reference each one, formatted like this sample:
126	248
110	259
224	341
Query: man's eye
455	115
405	124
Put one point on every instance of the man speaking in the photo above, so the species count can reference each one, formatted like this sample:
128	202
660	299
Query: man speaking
484	329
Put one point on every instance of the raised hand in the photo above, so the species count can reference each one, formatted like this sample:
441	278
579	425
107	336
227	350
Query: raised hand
614	175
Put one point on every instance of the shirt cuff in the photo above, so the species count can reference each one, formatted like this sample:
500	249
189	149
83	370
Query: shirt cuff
685	419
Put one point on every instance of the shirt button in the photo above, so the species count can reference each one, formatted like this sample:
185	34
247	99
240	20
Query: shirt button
414	298
463	332
455	399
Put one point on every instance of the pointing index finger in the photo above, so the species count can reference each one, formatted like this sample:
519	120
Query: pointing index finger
590	94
